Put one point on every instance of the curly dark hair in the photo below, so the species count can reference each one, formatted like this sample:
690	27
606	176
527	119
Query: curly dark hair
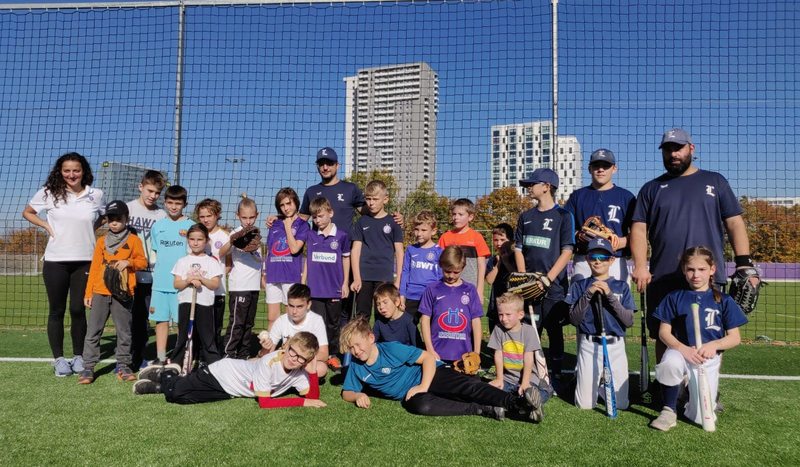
55	184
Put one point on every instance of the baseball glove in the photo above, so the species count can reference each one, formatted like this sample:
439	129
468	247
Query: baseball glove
248	239
469	364
530	285
117	283
593	227
743	291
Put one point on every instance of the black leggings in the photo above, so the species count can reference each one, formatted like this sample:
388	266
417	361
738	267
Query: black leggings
60	279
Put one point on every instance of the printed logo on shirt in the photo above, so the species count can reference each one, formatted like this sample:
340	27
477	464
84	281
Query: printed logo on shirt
664	185
387	229
454	321
536	241
430	256
386	370
280	247
710	190
334	245
182	232
421	265
365	228
340	197
546	224
612	213
322	257
711	319
218	244
465	299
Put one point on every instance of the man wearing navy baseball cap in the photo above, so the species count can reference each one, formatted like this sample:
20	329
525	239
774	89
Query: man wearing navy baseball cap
611	203
694	207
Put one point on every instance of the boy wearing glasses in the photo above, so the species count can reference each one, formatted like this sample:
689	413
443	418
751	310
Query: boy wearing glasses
614	206
263	378
617	305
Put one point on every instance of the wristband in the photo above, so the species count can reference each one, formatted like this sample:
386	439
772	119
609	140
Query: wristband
743	261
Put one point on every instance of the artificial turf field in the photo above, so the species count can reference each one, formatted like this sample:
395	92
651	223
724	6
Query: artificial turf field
48	420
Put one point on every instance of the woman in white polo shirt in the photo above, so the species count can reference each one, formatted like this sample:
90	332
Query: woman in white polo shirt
73	211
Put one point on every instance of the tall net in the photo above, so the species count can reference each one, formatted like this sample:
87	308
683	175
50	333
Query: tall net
265	86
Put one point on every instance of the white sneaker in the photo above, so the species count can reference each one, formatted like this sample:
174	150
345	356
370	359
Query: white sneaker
666	419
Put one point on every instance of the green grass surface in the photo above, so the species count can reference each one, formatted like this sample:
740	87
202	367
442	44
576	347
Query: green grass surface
50	421
23	304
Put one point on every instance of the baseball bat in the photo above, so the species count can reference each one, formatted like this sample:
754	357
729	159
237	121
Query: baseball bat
538	356
347	357
189	347
608	377
644	368
706	410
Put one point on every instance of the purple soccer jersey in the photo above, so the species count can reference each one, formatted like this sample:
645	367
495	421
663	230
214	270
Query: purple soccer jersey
280	264
324	254
452	310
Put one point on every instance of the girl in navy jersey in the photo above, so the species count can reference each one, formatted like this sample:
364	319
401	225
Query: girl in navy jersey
720	319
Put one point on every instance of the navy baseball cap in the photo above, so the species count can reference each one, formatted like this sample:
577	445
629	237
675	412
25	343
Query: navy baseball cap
603	155
117	208
327	154
676	135
600	244
541	176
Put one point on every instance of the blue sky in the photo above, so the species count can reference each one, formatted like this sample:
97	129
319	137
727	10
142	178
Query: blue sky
265	84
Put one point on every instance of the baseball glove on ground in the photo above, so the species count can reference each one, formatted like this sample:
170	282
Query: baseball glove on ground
593	227
469	364
742	289
117	283
248	239
530	285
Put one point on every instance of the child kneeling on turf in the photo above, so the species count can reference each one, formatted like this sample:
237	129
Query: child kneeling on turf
123	251
425	386
262	378
298	317
515	346
720	319
617	307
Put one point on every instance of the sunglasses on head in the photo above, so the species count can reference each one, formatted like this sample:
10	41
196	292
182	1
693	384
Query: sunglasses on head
599	257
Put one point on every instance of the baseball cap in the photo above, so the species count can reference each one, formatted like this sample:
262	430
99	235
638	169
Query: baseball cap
541	176
116	208
600	244
676	135
327	154
603	155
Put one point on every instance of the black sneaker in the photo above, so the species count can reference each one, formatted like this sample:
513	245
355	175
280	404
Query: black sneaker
495	413
145	386
153	372
534	399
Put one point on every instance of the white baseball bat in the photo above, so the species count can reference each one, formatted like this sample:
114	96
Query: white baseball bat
706	410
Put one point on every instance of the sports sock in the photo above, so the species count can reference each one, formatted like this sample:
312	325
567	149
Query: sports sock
670	395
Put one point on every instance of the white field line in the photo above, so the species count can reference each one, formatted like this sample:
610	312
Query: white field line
652	373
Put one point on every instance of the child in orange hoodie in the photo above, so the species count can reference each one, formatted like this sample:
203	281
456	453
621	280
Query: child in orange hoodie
123	251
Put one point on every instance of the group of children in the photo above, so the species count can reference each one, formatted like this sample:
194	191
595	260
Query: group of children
428	301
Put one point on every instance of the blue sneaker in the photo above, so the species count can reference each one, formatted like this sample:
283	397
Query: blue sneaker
77	364
62	367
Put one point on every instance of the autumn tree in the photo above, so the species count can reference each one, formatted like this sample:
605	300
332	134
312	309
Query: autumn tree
425	198
773	231
361	179
502	205
29	241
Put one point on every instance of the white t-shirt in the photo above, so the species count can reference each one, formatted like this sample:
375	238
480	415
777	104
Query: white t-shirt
72	223
284	328
245	274
207	267
142	219
218	239
267	375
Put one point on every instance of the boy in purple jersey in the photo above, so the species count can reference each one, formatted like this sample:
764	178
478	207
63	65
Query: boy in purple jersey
420	264
327	268
617	306
684	207
543	242
451	311
377	252
720	320
283	263
614	205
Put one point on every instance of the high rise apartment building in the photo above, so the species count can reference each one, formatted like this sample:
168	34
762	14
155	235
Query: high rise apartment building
518	149
390	124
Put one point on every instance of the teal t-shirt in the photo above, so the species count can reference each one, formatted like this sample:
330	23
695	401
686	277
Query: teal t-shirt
168	239
393	373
